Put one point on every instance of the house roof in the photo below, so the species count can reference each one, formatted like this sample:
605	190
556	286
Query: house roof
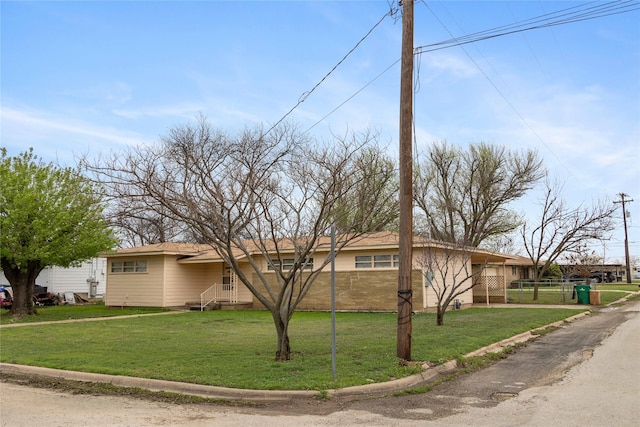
195	253
166	248
519	260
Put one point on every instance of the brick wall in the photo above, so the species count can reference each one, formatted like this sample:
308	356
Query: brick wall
365	290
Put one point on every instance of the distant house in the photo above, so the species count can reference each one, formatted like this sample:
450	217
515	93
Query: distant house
519	268
174	274
87	280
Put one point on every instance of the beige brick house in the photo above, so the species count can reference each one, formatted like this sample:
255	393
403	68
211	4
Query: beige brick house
173	274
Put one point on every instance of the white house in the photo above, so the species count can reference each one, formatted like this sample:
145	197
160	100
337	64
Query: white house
88	279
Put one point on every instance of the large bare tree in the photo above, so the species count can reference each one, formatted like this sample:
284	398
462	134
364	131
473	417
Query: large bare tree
266	199
377	178
137	224
561	229
464	195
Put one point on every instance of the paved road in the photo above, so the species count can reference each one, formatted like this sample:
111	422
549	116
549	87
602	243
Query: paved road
586	373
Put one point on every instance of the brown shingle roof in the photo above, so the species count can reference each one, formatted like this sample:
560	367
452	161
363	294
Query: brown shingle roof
206	253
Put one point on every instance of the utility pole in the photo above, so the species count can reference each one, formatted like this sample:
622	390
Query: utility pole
405	243
622	201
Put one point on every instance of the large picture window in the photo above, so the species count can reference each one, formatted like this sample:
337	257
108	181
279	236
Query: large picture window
128	266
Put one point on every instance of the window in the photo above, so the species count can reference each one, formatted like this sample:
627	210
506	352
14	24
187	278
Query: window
287	264
514	270
128	266
363	261
377	261
382	261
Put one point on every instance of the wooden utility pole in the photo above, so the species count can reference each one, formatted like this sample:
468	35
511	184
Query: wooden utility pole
623	200
405	243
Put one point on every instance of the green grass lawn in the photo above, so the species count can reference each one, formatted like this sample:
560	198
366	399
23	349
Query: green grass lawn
64	312
556	295
236	348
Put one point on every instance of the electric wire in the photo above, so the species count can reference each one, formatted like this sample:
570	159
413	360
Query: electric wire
306	94
502	95
565	16
583	14
552	19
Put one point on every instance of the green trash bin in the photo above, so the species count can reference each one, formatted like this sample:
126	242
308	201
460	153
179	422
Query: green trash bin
583	293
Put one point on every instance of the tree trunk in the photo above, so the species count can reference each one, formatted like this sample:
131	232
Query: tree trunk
283	353
440	315
22	283
536	281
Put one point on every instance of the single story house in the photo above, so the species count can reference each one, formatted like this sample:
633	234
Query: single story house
366	273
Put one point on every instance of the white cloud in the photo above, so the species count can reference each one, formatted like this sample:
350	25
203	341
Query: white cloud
44	122
183	110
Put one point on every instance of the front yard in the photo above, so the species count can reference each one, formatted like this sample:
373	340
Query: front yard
236	348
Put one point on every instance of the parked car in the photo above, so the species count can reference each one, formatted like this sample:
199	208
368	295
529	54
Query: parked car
6	299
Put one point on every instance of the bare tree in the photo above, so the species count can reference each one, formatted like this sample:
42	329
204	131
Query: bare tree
579	262
449	271
137	224
256	198
377	175
464	194
560	229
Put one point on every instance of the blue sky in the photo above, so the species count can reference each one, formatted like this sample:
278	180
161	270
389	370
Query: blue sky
87	77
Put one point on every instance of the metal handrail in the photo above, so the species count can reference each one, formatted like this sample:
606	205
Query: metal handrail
217	293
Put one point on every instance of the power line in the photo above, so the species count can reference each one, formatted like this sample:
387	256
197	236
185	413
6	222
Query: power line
497	89
560	17
305	95
569	15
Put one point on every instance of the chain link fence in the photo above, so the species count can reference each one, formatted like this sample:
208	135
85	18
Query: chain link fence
551	292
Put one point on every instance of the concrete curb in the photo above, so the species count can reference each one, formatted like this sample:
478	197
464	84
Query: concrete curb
233	394
211	392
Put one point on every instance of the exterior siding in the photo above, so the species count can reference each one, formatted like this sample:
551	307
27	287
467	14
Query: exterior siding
185	283
430	299
166	283
59	280
244	294
136	289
